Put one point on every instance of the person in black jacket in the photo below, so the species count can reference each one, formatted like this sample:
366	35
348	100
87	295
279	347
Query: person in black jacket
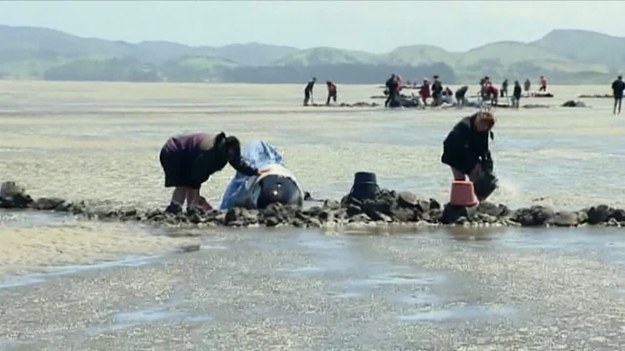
618	86
466	149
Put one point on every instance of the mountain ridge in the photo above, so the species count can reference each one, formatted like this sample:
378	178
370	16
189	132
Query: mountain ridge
29	52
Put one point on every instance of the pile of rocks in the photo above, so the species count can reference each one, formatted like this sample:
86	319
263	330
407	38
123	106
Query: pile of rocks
388	207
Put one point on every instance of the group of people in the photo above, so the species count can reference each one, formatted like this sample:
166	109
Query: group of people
308	91
488	91
189	160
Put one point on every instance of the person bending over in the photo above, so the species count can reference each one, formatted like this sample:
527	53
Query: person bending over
331	92
466	147
189	160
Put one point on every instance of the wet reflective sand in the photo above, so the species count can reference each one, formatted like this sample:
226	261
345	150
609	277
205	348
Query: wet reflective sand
292	289
284	289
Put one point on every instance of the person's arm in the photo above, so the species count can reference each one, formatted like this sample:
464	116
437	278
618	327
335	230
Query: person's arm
242	166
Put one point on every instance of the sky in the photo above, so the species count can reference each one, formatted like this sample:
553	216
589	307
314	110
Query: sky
371	26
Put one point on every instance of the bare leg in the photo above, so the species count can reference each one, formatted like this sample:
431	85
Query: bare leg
458	175
179	195
193	197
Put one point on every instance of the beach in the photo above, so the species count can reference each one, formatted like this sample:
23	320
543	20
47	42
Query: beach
131	287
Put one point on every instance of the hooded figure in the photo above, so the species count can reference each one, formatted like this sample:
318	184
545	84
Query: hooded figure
276	185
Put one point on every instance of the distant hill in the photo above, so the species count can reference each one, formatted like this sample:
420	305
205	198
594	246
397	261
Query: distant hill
586	46
41	53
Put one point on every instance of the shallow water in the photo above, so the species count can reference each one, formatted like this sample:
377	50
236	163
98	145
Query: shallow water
445	288
101	141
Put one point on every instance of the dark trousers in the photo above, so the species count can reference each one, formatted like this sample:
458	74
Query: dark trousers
617	102
331	95
392	95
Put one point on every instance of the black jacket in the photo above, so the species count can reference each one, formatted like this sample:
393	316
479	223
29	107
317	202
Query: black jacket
464	141
207	162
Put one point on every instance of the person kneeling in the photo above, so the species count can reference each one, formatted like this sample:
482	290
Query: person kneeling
466	152
190	160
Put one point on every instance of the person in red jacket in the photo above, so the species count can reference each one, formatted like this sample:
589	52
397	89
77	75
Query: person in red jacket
331	92
543	84
424	92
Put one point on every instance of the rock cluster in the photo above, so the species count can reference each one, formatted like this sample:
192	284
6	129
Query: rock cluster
387	207
596	96
572	103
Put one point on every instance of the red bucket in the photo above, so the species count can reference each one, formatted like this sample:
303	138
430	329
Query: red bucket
462	193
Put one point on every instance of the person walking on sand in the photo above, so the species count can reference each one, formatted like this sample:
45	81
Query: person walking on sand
618	86
466	150
527	85
308	91
331	92
516	94
189	160
393	88
504	89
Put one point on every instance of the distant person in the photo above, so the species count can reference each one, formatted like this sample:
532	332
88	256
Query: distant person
504	88
392	88
189	160
437	91
543	84
424	92
448	96
461	95
527	85
331	92
516	94
308	91
617	89
466	150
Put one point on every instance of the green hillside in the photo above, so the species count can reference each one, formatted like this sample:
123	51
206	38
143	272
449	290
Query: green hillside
564	56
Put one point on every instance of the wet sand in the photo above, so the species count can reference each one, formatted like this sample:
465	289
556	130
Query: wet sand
37	247
299	290
292	289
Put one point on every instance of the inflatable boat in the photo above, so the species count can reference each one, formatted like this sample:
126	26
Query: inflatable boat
278	185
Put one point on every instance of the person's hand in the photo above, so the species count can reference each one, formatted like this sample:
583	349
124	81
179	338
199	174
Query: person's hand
263	170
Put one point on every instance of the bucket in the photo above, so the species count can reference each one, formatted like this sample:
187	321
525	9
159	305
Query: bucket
485	185
365	186
462	193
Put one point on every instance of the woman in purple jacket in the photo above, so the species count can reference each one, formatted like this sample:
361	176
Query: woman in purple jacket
189	160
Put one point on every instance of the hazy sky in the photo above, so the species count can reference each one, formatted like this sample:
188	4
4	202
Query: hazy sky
370	26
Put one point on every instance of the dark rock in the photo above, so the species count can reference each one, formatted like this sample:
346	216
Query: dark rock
598	214
272	221
313	223
618	214
613	223
331	204
452	214
534	216
188	248
407	199
47	203
572	103
565	219
434	205
353	210
403	214
360	218
492	209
